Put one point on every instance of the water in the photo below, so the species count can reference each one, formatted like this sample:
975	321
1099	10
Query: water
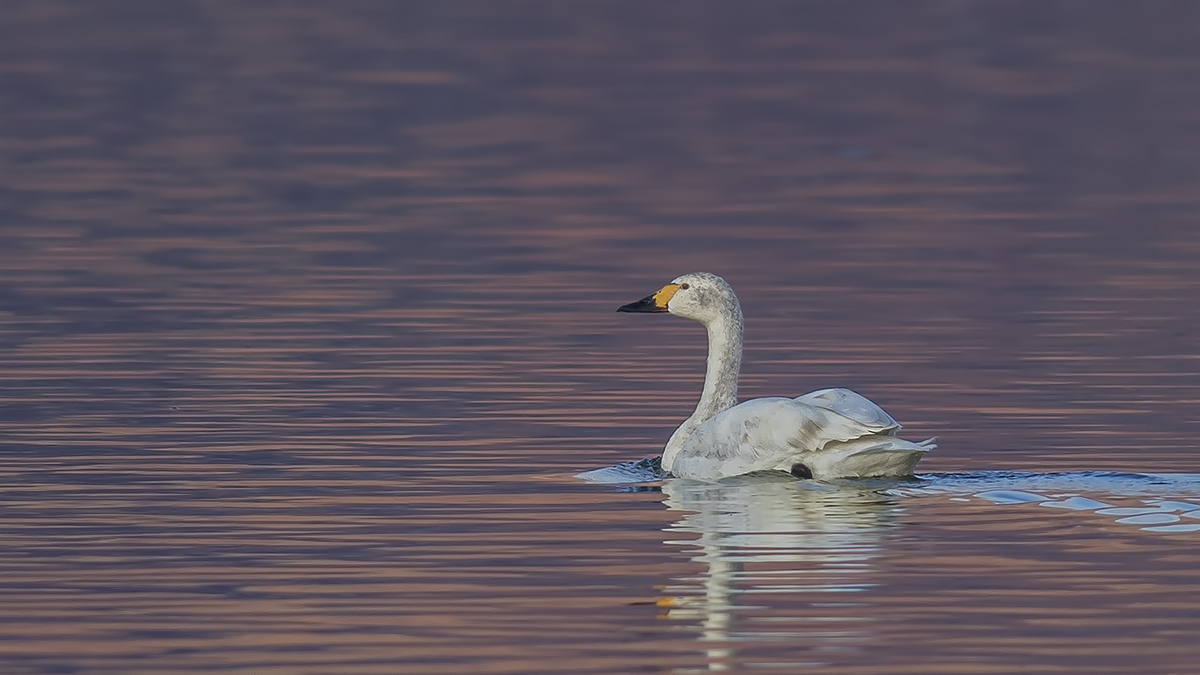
309	320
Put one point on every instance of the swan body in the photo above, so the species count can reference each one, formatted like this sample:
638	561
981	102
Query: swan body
826	434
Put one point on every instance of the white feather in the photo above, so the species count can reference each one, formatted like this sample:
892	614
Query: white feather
831	433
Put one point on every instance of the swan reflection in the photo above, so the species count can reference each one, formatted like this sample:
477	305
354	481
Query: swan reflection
798	563
762	537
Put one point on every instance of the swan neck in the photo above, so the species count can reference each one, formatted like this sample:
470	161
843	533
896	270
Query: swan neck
720	376
724	364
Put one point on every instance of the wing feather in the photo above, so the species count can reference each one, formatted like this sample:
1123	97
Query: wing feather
853	405
823	430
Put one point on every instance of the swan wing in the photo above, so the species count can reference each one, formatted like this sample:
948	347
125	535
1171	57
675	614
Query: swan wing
762	434
841	437
853	405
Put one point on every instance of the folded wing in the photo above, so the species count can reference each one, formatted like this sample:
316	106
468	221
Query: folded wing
832	433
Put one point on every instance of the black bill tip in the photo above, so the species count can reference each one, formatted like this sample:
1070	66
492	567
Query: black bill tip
645	305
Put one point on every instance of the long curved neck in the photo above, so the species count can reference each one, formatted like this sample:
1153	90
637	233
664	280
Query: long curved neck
720	378
724	364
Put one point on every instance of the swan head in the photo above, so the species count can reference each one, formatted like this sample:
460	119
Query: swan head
699	296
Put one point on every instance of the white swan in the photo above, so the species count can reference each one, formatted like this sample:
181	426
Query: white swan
831	433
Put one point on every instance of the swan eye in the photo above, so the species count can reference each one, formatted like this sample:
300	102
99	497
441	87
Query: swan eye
683	287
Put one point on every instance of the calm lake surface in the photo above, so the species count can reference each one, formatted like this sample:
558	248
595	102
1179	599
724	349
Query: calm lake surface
309	321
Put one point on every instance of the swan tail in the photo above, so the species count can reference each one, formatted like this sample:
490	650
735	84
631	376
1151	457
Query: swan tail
869	457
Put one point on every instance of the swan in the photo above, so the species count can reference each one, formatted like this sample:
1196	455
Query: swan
826	434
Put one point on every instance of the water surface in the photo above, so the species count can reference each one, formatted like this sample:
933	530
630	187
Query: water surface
309	320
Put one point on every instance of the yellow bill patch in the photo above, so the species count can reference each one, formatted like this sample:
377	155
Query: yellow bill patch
664	295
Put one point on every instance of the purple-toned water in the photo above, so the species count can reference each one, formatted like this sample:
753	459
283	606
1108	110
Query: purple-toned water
309	319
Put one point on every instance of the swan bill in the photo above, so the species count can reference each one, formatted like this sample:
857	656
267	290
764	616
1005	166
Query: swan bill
656	303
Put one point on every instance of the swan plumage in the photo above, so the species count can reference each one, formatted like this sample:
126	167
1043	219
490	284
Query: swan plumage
826	434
